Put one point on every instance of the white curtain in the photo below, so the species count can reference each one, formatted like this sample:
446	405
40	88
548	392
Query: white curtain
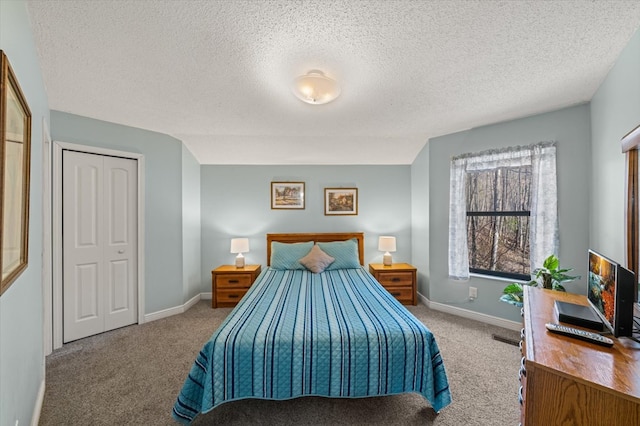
543	222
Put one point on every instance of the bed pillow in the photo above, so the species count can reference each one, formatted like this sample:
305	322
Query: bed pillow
345	253
317	260
286	256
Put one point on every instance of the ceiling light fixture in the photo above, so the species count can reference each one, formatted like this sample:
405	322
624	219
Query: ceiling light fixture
315	88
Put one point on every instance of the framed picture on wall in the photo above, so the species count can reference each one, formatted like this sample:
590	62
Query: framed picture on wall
287	195
340	201
15	152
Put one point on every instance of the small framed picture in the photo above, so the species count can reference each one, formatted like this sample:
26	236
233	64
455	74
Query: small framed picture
287	195
340	201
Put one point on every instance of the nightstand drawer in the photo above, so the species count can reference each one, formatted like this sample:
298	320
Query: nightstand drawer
395	279
403	294
233	280
229	296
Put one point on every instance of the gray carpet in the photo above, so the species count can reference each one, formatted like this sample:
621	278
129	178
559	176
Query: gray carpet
132	376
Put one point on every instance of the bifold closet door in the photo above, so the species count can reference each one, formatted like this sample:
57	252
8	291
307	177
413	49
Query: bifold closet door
99	227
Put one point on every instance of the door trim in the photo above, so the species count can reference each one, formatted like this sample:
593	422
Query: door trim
58	147
47	266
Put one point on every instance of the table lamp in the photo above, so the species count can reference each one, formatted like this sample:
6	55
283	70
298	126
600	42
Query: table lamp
387	245
239	245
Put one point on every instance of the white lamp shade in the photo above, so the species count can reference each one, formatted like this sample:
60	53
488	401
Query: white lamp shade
239	245
315	88
387	244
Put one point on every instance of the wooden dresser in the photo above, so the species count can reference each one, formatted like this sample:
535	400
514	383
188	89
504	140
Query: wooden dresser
229	284
566	381
399	279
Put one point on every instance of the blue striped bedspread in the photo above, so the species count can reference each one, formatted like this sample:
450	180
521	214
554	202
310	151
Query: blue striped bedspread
295	333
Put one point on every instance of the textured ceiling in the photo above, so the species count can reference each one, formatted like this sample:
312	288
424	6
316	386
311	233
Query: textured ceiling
218	74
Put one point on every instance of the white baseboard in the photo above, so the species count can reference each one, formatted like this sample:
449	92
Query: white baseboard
206	296
172	311
37	409
465	313
195	299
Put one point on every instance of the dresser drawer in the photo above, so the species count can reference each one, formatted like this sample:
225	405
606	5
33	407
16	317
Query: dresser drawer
230	297
403	294
233	280
395	279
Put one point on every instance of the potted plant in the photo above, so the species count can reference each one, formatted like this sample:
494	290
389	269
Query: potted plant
550	276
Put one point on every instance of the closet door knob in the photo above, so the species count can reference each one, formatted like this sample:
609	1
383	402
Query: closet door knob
120	251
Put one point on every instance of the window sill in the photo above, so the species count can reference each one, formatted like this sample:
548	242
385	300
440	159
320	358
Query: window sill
494	278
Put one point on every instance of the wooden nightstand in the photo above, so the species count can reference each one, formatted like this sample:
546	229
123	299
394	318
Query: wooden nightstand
229	284
399	279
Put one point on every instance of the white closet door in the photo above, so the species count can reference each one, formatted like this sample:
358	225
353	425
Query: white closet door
99	244
121	249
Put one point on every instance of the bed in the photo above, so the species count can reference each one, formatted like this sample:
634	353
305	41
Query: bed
335	333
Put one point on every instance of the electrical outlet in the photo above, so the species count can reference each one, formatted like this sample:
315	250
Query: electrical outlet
473	293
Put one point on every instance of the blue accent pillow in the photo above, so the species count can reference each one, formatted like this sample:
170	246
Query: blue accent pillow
285	256
345	254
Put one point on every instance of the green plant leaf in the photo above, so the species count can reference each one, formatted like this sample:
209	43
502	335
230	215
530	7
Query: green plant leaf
558	287
551	262
564	278
511	297
512	288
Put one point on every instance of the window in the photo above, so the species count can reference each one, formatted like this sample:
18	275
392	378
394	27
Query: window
503	218
498	221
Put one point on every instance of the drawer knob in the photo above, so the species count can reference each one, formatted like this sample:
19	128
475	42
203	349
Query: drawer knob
234	281
395	294
233	296
395	279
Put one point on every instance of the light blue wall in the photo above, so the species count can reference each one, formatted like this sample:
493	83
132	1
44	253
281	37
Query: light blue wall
571	129
191	276
21	323
615	110
163	197
236	202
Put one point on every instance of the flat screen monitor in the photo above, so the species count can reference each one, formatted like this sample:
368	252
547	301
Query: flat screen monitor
611	292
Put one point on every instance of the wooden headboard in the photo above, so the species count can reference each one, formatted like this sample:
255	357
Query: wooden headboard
316	237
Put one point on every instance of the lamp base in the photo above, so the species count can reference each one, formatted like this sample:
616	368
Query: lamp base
239	261
386	259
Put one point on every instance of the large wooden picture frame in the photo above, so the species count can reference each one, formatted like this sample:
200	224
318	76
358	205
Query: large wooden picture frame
15	155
